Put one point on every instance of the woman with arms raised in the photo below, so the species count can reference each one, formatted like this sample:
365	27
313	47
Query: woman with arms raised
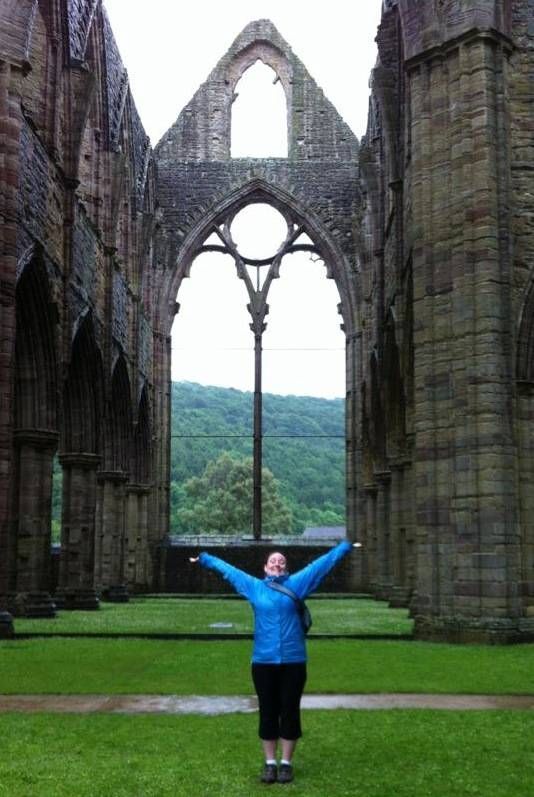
279	653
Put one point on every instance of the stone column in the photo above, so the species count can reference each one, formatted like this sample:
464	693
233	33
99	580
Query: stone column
10	127
401	523
355	497
384	575
370	541
137	547
466	481
35	451
111	546
162	426
526	482
77	562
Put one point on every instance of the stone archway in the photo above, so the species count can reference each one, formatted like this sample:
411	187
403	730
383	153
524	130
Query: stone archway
36	439
200	189
304	233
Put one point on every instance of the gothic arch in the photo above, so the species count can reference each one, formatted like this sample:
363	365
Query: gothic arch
525	338
260	191
120	424
36	437
142	441
83	392
394	394
36	389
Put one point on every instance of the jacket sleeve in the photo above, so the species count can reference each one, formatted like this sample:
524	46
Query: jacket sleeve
308	579
242	582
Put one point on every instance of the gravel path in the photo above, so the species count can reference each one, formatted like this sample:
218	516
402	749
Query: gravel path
209	705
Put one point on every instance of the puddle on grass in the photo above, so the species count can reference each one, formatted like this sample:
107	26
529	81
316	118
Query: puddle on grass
221	625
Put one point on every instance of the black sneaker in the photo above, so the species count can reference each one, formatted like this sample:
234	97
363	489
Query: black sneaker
269	773
285	773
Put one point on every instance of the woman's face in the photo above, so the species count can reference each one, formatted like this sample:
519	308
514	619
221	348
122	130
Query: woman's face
275	565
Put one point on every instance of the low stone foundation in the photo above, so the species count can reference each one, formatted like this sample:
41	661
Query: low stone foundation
497	631
178	575
7	630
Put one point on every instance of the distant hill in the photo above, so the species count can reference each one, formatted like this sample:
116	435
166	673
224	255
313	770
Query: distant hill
310	470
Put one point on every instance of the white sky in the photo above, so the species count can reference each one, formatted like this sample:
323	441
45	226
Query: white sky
169	48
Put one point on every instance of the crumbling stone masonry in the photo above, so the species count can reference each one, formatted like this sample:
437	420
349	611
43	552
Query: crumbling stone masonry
77	373
445	491
426	226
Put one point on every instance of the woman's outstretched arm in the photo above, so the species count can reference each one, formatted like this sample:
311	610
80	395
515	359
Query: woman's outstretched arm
308	579
242	582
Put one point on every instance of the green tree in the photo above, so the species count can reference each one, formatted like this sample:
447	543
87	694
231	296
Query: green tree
219	501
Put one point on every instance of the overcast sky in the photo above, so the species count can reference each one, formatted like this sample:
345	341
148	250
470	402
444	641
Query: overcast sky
169	48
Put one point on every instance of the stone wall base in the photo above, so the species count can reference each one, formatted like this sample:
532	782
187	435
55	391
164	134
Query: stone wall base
400	597
383	591
178	575
117	593
76	599
31	604
7	630
469	630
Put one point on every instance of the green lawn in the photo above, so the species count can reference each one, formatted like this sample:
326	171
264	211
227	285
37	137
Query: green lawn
118	666
354	754
360	753
183	615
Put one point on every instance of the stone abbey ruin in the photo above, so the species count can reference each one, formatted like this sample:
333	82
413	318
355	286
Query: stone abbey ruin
426	225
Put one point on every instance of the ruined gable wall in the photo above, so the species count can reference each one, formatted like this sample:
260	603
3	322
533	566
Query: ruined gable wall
196	174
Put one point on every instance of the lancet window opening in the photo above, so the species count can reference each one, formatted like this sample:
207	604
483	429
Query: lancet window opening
259	115
258	308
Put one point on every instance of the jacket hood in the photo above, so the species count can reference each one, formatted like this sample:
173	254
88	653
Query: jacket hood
279	579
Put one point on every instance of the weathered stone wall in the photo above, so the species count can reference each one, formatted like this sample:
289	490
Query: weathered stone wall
77	195
197	181
179	575
522	190
447	278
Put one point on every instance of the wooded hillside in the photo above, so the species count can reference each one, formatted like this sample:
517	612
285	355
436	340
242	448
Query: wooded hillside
303	447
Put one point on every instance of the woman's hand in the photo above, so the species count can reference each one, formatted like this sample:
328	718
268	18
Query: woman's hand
194	559
356	545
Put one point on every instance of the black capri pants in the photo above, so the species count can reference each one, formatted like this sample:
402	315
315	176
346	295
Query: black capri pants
279	688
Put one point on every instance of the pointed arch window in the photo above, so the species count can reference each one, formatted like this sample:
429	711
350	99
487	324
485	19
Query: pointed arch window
254	240
259	115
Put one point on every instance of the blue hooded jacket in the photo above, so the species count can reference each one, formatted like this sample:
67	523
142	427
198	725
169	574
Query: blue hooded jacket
278	634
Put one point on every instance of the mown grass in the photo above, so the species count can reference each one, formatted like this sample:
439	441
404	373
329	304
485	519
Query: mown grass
98	666
182	616
361	754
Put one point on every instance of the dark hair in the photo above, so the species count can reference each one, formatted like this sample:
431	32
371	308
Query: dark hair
268	556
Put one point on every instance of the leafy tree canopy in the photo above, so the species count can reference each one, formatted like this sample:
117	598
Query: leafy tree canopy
220	500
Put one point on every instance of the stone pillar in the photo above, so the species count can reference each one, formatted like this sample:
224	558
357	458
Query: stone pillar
401	523
162	422
355	496
371	538
111	545
159	496
10	127
137	547
35	451
384	575
526	481
77	562
468	535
